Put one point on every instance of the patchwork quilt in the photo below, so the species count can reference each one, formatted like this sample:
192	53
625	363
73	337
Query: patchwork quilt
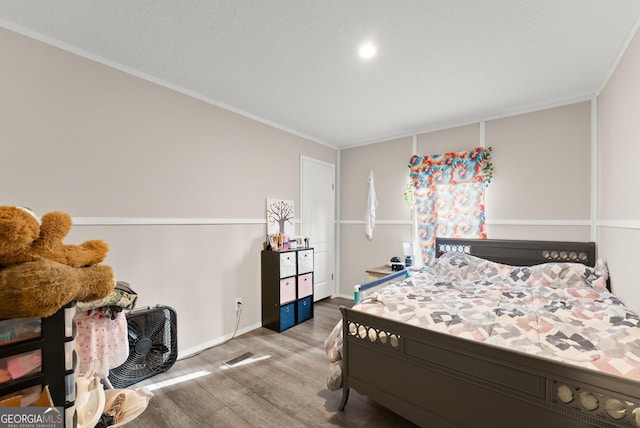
561	311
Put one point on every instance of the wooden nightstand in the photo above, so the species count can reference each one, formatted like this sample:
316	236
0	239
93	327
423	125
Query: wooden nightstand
379	272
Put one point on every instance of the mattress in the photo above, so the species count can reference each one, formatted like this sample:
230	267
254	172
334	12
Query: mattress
560	311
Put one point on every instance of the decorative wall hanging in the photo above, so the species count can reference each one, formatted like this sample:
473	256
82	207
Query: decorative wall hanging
280	217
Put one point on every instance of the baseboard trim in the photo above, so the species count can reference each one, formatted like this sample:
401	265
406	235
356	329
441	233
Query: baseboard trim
185	353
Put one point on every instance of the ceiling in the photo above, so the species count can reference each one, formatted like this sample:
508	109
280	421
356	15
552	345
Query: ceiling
293	64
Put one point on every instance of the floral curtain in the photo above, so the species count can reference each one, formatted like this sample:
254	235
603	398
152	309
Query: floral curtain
448	192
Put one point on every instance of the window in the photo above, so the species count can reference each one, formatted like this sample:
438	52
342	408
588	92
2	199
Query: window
448	191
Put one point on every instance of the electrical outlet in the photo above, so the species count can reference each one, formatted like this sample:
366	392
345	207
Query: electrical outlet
237	304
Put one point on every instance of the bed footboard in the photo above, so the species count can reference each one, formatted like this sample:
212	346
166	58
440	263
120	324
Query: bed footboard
438	380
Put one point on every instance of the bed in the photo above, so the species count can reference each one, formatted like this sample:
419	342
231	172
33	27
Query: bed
437	379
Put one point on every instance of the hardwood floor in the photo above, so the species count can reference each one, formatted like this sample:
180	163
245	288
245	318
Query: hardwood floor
283	384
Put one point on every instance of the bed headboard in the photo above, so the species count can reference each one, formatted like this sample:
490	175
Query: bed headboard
520	253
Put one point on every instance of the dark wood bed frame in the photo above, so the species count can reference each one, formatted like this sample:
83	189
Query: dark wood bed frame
438	380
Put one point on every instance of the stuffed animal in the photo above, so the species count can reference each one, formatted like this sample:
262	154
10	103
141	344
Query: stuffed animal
40	288
38	273
23	239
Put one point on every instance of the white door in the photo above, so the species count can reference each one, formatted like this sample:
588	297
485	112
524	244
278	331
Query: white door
317	221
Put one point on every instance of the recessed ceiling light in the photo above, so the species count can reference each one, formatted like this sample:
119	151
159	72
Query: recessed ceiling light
367	50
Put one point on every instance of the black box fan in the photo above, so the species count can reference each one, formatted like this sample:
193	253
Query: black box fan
153	345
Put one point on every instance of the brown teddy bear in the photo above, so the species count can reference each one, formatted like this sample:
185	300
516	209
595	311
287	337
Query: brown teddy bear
23	238
41	287
38	273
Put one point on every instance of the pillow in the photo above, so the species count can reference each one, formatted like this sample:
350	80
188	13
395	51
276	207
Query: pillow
599	276
561	275
465	266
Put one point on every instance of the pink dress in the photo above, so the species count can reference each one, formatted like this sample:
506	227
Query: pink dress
101	343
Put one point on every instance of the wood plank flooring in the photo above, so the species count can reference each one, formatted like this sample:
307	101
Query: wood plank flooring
282	385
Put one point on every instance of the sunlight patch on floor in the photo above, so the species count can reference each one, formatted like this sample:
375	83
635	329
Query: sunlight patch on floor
176	380
237	362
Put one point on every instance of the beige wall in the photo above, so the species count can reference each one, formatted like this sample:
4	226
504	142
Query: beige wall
104	146
542	172
617	157
540	189
389	162
456	139
100	144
